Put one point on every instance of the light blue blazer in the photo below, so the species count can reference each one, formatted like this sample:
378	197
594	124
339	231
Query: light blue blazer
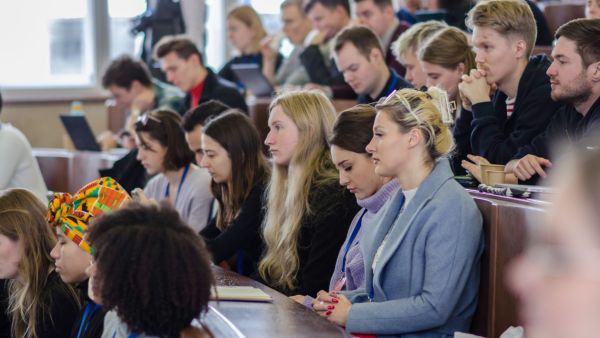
427	278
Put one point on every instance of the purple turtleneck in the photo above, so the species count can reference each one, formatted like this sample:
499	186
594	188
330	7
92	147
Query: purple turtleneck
355	271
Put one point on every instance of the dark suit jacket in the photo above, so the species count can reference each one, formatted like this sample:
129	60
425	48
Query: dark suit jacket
217	88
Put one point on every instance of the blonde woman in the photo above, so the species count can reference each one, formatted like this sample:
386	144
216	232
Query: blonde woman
245	32
40	305
422	257
445	57
308	212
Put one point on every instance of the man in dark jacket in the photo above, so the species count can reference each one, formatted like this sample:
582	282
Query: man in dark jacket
504	34
575	78
359	56
329	17
183	65
380	17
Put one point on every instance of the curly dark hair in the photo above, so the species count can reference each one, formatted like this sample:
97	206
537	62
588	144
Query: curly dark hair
151	268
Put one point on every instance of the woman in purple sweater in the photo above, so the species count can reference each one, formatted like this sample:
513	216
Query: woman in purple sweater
352	132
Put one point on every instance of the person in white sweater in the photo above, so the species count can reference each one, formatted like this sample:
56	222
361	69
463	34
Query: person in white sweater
18	167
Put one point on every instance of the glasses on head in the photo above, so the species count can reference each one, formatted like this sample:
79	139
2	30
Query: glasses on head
143	119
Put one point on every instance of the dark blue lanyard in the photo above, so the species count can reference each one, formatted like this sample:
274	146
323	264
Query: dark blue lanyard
371	288
185	171
89	311
392	85
351	239
131	335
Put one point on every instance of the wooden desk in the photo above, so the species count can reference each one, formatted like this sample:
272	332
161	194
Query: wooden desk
68	171
507	224
281	318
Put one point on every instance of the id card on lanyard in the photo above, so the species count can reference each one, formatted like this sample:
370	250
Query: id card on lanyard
341	283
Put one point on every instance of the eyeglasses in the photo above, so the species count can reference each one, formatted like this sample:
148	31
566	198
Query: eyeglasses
446	108
143	119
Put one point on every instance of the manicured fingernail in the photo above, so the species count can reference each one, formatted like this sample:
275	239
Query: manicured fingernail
334	300
330	307
327	313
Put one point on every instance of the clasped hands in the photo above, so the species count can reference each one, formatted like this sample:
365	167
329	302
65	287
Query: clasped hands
474	88
333	306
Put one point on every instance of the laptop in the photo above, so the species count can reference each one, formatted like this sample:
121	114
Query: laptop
80	132
253	79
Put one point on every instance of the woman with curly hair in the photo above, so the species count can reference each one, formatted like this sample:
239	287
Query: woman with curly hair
40	305
151	271
308	212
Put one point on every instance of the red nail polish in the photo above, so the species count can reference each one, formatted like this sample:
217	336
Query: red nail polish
327	313
330	307
334	300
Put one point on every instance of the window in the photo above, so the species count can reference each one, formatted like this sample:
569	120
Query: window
58	44
51	44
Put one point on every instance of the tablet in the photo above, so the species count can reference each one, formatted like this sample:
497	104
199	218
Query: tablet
253	79
80	132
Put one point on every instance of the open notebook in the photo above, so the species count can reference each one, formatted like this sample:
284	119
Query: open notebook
240	293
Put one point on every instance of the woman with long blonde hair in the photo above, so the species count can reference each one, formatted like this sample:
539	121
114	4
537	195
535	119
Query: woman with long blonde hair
445	57
308	212
40	304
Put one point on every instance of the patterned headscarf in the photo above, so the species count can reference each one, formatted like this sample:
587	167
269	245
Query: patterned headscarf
73	213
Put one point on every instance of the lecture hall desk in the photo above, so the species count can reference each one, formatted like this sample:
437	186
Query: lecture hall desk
68	171
281	318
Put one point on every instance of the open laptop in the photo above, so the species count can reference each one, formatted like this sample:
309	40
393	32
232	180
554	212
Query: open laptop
80	132
253	79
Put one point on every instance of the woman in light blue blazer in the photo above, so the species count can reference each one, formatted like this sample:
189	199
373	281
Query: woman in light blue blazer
422	258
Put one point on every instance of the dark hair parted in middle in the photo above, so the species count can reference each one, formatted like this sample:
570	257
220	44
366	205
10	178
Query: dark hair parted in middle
201	114
124	70
163	125
363	39
151	268
236	133
353	128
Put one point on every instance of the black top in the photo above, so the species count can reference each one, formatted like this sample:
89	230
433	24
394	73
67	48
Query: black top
322	234
241	234
93	324
498	137
325	73
63	309
462	139
544	38
217	88
567	125
394	82
227	73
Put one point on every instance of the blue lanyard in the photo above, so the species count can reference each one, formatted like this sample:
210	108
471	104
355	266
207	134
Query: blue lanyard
185	171
371	287
392	85
89	311
131	335
351	239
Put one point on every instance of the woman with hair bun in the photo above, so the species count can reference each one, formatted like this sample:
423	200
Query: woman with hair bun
422	257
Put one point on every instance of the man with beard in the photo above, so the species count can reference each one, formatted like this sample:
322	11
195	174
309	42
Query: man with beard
575	80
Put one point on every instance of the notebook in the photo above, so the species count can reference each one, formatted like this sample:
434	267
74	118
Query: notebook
253	79
80	132
240	293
